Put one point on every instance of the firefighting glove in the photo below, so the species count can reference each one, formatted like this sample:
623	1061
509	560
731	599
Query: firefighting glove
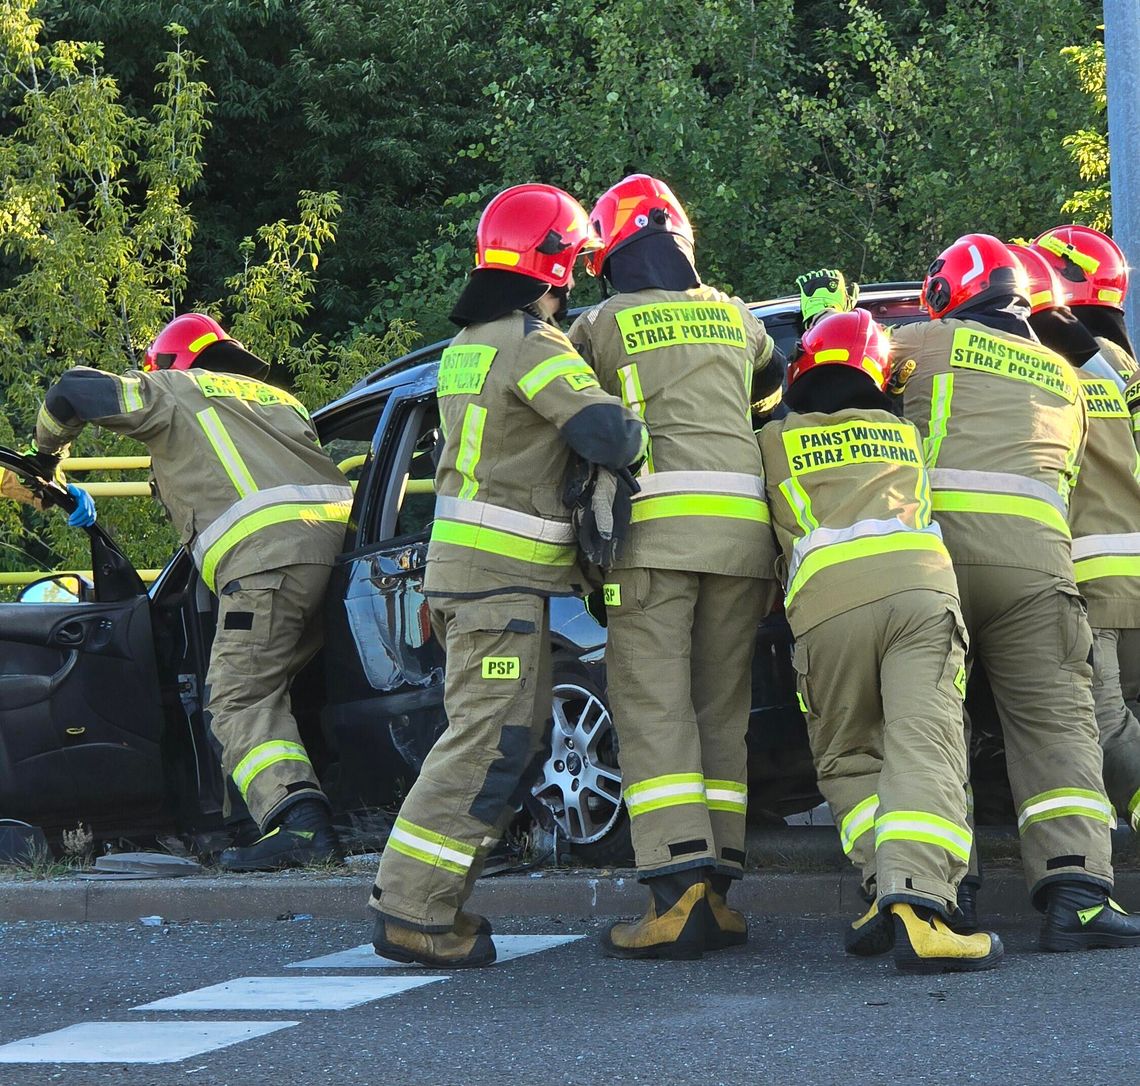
599	500
84	514
46	464
596	607
825	290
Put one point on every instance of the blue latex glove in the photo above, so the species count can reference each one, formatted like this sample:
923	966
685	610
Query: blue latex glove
84	515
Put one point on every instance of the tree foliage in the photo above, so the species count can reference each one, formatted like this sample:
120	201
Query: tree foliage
1089	145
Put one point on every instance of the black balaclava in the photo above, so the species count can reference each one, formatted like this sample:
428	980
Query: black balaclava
1061	331
1105	322
653	259
1007	313
832	388
229	356
491	293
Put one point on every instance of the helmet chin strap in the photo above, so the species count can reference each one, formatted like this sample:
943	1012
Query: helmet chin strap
559	315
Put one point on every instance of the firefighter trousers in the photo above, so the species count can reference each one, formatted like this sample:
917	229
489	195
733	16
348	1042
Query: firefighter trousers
678	666
497	690
269	627
1029	631
1116	692
882	688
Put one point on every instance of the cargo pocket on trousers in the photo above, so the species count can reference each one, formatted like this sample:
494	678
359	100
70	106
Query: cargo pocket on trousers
1076	634
800	664
956	672
495	643
245	611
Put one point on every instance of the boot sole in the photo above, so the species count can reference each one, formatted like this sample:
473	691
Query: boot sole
724	941
874	938
909	962
657	952
1069	942
402	956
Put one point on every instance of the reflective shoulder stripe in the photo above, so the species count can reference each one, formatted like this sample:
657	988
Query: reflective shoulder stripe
262	757
941	400
826	547
1064	803
634	398
926	828
857	822
800	503
571	366
226	451
507	520
470	448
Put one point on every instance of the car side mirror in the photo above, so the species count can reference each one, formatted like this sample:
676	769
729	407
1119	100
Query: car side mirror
58	588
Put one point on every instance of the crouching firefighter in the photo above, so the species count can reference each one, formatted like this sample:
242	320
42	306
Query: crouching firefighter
262	509
879	642
696	573
515	400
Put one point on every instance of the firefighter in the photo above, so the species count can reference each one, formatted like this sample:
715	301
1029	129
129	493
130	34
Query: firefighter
1004	427
262	509
515	401
696	573
879	641
1104	507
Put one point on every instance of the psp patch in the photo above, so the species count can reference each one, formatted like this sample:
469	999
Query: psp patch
501	667
611	595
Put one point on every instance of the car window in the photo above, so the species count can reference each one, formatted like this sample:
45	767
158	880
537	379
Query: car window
349	441
416	504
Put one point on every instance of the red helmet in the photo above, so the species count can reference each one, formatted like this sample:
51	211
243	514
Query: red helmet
975	265
535	230
182	341
845	339
1045	290
638	202
1090	265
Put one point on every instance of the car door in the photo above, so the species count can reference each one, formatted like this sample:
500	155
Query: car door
81	721
384	670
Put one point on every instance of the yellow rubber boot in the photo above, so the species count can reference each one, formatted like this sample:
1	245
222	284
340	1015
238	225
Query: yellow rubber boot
873	933
924	943
725	927
447	949
674	925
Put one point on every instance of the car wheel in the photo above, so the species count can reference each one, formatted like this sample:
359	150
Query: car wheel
580	781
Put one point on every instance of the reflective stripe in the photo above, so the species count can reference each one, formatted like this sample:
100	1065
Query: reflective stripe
634	399
800	504
433	849
1134	810
1089	546
470	448
1064	803
929	829
50	423
508	520
1111	555
960	491
262	757
727	796
274	495
1093	569
825	547
732	494
306	513
479	537
132	394
857	822
671	790
226	452
562	365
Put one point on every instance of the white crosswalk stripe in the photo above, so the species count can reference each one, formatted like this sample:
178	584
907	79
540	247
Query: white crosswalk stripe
507	947
295	993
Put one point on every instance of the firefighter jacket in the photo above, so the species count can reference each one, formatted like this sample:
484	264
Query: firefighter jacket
514	400
235	461
851	508
684	361
1003	424
1104	508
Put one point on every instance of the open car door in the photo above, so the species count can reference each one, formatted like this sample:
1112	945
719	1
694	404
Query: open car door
81	721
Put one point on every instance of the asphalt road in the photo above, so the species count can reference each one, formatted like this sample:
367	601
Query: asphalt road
789	1008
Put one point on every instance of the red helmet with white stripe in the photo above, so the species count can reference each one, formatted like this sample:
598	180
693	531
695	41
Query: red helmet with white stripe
1090	265
976	266
1045	290
636	203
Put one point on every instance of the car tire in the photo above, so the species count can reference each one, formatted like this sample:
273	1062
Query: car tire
579	782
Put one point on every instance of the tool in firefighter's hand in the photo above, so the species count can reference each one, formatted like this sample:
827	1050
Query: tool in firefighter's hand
899	377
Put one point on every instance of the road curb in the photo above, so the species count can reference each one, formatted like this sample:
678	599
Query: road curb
580	894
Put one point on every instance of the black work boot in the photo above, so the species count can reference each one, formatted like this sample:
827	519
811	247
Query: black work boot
304	835
965	920
724	927
924	943
673	926
466	946
1081	916
873	933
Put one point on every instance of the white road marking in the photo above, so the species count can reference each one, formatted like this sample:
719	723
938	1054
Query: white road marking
508	947
133	1042
288	994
